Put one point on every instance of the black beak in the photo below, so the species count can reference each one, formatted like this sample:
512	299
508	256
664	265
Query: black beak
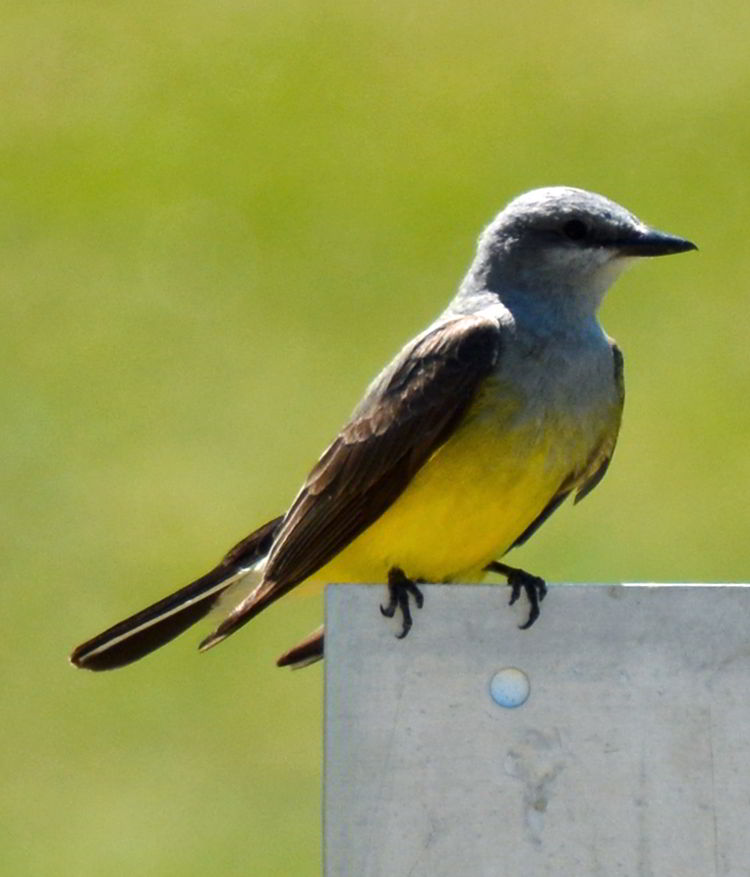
653	243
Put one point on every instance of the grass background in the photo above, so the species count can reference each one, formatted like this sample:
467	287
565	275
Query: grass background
217	221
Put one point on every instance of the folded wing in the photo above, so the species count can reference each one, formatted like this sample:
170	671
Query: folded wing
408	413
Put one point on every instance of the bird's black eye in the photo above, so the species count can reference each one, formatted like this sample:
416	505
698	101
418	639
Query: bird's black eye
575	230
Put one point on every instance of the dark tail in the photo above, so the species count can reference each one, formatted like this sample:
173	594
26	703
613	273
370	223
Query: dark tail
161	622
260	599
304	653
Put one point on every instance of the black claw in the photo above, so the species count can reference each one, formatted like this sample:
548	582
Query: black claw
412	589
399	589
535	590
534	587
390	610
406	626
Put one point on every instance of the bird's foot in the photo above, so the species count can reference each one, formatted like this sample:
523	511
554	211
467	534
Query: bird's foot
534	587
400	588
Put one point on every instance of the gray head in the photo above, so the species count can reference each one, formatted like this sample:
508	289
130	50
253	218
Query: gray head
564	244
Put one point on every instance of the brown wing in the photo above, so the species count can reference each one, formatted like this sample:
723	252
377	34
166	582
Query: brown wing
408	413
377	453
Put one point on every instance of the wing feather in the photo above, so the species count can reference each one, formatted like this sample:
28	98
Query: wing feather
394	432
410	410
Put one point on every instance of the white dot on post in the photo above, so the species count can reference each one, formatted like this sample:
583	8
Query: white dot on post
509	687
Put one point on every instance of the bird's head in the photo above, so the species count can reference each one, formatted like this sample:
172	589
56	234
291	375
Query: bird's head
562	242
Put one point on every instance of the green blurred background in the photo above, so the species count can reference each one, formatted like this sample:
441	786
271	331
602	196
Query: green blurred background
218	221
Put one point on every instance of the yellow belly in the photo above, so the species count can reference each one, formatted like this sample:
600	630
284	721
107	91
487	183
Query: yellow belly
465	507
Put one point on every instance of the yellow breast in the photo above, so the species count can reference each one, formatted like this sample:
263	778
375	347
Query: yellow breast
467	505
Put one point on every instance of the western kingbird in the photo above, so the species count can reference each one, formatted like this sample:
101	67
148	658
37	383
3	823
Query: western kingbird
461	448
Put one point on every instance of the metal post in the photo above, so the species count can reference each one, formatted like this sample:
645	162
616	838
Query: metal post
631	755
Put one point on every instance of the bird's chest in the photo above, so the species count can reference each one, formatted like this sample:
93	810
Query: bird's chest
550	403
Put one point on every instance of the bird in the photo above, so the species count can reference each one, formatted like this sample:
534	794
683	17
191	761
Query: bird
461	448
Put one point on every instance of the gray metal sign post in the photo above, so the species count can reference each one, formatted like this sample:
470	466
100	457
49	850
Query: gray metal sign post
630	755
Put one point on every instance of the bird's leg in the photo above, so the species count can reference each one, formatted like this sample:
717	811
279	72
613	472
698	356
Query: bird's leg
534	588
399	589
